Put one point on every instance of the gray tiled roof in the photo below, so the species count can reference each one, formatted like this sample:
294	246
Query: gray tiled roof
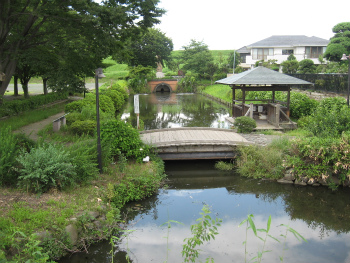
289	41
243	50
262	76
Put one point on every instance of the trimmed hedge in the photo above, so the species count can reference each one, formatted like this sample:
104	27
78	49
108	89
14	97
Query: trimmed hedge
14	107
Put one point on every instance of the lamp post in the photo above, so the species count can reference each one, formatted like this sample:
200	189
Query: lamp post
345	57
98	75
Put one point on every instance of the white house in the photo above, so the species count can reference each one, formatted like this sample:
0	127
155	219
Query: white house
280	47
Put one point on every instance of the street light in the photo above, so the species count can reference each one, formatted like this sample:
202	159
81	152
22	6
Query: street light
98	75
345	57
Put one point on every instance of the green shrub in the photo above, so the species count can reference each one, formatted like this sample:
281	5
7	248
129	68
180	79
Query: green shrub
260	162
45	167
123	91
124	139
73	117
83	127
83	156
329	119
105	103
301	105
117	98
317	157
77	106
245	124
16	106
8	153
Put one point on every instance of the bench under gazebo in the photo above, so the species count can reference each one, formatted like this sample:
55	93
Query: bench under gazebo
260	78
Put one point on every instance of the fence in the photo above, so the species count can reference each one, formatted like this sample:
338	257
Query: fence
337	83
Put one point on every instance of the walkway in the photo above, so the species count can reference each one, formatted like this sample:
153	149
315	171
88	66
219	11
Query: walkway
194	143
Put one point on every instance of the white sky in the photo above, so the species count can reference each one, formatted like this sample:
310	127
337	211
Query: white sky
230	24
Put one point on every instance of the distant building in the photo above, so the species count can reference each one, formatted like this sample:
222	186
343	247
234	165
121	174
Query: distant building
280	47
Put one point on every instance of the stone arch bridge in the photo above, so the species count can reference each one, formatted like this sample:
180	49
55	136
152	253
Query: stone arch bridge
163	85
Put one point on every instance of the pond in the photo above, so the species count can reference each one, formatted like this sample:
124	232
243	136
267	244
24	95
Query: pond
318	214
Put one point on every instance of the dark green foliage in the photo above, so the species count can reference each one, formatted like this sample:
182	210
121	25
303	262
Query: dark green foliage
123	138
330	119
83	156
290	66
45	167
340	43
83	127
122	90
117	98
73	117
320	158
77	105
13	107
143	183
8	154
301	105
105	102
306	66
245	124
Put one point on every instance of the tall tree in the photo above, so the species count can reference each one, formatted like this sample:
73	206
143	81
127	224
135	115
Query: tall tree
143	51
340	43
196	57
25	24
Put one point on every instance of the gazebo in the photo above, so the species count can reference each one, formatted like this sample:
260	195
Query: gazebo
262	79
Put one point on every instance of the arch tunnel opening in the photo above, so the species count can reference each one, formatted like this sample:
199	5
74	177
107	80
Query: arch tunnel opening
163	88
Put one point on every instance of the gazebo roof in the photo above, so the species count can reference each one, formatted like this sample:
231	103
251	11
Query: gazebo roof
262	76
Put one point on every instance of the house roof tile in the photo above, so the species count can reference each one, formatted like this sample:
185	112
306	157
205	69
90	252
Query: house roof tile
262	76
289	41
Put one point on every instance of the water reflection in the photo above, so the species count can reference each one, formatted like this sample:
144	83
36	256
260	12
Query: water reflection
320	215
169	110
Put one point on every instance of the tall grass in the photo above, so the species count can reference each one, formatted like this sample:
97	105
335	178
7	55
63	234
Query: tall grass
223	92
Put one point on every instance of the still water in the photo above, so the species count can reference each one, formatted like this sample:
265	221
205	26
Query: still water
317	213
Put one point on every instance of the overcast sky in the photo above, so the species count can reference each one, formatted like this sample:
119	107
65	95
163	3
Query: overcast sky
230	24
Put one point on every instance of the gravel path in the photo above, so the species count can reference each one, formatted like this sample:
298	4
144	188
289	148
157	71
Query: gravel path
32	129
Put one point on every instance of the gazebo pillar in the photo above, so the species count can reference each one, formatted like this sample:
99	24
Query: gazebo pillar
288	102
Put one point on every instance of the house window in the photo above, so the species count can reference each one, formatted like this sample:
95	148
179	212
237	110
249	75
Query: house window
287	52
262	53
314	52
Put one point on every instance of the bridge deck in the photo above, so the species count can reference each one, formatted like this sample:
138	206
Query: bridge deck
193	143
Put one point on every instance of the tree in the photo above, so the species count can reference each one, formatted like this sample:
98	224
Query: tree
25	24
290	66
340	43
306	66
143	51
196	57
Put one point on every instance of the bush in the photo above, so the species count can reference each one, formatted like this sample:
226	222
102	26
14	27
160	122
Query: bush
73	117
8	154
45	167
122	90
330	119
260	162
301	105
16	106
124	139
83	156
117	98
320	158
105	103
77	106
83	127
245	124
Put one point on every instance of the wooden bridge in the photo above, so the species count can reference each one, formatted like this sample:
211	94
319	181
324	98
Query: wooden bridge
194	143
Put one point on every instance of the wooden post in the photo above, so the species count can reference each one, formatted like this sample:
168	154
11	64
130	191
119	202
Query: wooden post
251	110
233	101
243	100
277	115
